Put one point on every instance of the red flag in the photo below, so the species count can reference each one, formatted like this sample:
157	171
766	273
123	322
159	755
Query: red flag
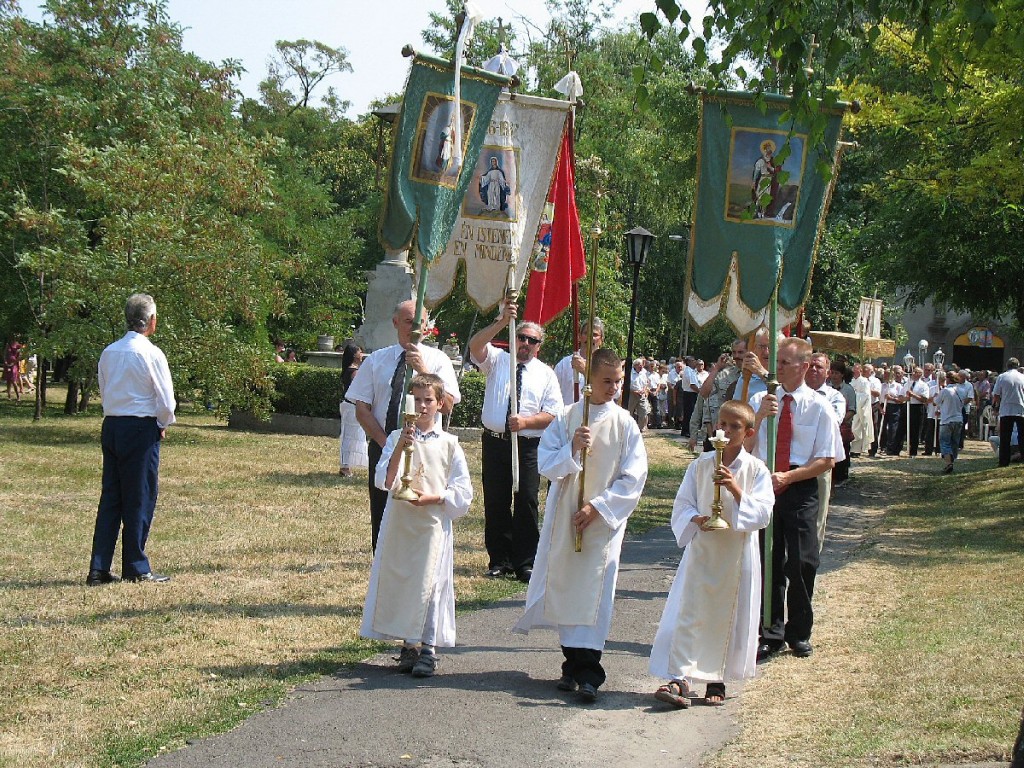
558	259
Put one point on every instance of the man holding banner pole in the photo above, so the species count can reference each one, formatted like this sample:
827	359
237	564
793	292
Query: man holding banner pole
806	446
511	519
378	392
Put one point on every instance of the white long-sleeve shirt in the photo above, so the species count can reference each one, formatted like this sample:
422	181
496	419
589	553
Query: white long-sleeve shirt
135	380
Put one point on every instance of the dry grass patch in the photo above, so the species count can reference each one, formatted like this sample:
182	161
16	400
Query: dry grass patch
917	639
269	553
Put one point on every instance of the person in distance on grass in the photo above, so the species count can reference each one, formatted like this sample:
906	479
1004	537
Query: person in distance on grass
411	596
571	591
138	406
708	630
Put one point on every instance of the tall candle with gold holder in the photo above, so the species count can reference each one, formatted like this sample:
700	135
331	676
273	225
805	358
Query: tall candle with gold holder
716	522
406	493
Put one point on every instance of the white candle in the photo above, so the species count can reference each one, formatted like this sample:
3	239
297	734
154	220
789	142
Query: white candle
410	404
720	435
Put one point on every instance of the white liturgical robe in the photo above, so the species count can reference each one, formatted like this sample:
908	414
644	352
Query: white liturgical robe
411	595
708	630
570	591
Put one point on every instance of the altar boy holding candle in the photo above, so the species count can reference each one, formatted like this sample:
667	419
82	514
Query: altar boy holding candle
708	630
411	596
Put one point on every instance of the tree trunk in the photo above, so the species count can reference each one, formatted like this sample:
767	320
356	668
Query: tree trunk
71	401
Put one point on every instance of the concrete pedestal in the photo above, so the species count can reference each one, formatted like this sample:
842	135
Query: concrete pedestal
389	284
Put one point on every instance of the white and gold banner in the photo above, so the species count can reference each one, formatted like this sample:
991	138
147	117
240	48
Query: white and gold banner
502	209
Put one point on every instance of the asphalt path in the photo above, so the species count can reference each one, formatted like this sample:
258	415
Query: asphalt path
493	701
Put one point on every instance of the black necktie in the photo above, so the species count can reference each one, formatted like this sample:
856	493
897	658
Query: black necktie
519	392
397	390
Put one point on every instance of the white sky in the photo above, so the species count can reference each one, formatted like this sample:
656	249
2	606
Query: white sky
372	31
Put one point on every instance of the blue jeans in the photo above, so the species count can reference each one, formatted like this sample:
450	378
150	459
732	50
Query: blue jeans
949	438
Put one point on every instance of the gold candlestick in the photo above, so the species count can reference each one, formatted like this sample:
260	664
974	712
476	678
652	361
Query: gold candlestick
716	522
405	493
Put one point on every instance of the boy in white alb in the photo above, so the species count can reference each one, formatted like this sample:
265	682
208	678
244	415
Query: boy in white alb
411	596
571	591
708	630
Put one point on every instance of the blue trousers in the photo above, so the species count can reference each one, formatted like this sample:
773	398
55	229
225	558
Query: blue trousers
131	465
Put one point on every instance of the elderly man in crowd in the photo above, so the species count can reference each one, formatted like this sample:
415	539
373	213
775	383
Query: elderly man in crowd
817	378
571	369
1008	400
511	527
138	406
377	393
893	399
721	381
639	387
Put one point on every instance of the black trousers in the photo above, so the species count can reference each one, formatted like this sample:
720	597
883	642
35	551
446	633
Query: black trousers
583	665
917	414
930	427
1006	434
511	529
895	428
794	564
131	468
689	401
378	498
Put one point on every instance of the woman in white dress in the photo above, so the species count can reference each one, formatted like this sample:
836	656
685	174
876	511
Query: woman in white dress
352	441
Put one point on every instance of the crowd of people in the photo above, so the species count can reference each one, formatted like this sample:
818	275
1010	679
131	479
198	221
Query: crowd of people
535	426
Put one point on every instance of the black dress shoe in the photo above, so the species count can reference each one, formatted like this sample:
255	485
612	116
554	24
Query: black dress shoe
566	683
154	578
765	651
498	571
801	649
588	693
524	573
96	578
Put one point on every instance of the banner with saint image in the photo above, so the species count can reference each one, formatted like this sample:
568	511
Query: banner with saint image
501	211
761	200
426	186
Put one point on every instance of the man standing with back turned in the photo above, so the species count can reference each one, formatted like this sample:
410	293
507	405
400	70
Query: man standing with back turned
138	406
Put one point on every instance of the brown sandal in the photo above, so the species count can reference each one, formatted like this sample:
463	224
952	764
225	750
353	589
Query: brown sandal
674	692
714	696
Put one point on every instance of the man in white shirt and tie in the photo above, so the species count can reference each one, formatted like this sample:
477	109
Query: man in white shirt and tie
378	393
571	369
511	521
138	406
807	444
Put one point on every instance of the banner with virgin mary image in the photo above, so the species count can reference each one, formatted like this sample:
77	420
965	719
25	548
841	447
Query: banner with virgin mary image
761	200
501	211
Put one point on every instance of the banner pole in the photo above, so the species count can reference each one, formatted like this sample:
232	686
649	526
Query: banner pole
773	351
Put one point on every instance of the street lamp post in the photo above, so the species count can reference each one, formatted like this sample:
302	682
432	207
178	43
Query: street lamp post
908	361
638	244
922	350
939	358
684	341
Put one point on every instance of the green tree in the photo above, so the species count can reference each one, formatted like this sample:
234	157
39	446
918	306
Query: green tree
131	174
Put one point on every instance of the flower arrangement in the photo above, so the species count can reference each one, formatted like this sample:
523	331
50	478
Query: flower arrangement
453	340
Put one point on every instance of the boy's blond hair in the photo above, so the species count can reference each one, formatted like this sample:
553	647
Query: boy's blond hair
429	381
738	409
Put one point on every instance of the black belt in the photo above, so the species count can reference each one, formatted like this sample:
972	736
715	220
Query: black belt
507	436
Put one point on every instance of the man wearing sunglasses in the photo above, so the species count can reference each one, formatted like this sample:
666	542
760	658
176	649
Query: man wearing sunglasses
511	530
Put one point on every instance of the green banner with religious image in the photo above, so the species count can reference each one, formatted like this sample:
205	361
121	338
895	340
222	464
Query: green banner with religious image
761	198
426	182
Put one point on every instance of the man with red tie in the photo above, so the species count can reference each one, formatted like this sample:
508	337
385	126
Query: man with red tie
807	444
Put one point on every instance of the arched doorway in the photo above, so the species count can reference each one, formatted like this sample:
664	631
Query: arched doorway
979	348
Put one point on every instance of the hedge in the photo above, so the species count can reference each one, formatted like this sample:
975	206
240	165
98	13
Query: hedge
310	390
306	390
